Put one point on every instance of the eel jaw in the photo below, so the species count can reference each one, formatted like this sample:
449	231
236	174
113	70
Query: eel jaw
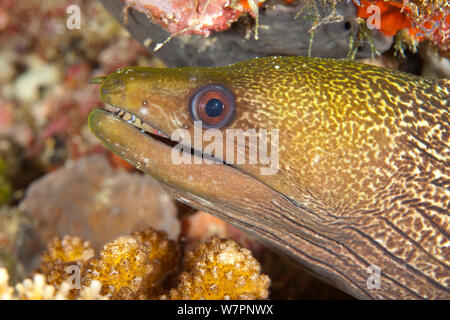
150	130
134	120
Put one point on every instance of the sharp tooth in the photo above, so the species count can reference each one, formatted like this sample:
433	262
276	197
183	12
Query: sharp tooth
126	116
135	121
138	122
110	108
131	120
146	127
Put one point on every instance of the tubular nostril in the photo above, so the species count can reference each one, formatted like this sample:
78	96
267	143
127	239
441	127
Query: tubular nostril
97	80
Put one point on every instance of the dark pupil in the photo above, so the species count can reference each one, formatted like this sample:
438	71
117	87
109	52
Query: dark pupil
214	108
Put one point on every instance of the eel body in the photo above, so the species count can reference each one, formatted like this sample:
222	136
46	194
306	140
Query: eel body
359	193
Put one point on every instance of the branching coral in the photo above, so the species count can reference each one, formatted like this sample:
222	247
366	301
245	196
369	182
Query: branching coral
92	292
220	269
64	258
133	267
136	266
37	289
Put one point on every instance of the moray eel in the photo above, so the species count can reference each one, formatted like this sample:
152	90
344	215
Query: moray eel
360	191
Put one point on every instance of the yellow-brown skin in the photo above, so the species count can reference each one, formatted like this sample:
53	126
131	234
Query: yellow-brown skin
364	164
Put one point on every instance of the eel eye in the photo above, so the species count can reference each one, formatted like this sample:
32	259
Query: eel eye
213	105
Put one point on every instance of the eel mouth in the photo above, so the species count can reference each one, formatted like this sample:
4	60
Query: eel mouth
139	124
148	131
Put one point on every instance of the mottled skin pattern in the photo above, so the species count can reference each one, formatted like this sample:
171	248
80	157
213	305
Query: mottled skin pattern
364	154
